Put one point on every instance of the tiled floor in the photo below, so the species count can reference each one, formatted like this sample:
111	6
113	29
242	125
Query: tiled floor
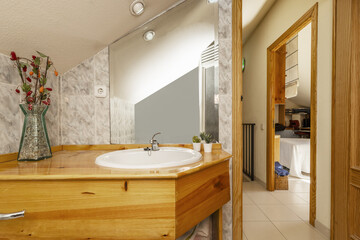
278	215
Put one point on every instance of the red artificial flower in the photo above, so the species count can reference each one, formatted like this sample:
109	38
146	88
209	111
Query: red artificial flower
32	64
30	107
30	99
28	93
25	68
48	101
49	89
13	56
45	102
29	79
17	90
33	57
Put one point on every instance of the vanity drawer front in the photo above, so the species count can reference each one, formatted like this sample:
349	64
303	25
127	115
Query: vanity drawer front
89	209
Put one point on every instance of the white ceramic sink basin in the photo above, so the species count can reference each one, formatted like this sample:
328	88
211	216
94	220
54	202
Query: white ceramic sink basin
140	159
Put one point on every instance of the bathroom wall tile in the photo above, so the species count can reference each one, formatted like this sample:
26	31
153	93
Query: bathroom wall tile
225	19
102	120
122	121
79	80
102	78
78	123
225	66
80	108
10	129
225	128
52	121
225	96
101	60
8	73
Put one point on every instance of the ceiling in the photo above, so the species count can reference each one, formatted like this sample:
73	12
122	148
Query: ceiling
253	12
70	31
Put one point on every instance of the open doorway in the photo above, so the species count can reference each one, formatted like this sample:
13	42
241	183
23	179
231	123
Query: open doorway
291	110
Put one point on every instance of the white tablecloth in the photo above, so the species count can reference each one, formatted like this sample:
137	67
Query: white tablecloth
295	155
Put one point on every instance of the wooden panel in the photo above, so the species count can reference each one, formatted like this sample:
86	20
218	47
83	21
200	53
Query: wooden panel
199	195
280	58
341	119
354	212
217	226
354	180
270	126
237	162
80	164
137	209
355	84
313	114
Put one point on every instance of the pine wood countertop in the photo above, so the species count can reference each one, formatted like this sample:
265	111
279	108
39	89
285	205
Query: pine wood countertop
78	162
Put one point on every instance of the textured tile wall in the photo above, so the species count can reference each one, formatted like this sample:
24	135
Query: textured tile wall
85	119
225	96
11	117
122	121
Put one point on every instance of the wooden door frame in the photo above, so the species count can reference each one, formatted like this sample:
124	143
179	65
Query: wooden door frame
342	123
237	160
311	16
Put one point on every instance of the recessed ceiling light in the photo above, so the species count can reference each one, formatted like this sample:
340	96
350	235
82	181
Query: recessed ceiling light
149	35
212	1
137	7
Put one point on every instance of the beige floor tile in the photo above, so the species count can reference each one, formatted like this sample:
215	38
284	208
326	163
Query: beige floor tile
305	196
301	210
279	213
244	237
247	200
263	198
299	187
262	231
288	198
253	187
253	213
298	230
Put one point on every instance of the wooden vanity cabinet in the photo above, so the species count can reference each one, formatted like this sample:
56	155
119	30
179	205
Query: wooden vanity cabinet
98	208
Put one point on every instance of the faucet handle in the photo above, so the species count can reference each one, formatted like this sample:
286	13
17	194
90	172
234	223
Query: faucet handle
155	135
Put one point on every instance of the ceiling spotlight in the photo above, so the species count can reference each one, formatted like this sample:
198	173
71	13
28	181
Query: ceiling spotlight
212	1
137	7
149	35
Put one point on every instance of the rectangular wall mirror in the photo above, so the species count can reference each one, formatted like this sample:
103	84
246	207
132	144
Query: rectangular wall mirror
164	77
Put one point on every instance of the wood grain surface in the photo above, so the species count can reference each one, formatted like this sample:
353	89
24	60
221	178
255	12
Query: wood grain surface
80	164
113	208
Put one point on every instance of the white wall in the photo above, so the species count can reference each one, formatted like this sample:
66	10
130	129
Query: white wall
282	15
140	68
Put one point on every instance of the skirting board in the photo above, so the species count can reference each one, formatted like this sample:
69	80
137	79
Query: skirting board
322	228
258	180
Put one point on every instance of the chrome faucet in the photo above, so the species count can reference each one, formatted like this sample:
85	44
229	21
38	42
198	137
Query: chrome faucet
154	143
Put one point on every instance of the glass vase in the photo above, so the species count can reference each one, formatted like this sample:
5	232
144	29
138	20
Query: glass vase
34	144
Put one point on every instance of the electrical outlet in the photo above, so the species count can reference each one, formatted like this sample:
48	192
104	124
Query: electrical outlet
100	91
